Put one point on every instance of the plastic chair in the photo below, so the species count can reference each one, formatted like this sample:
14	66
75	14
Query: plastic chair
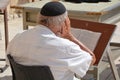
23	72
96	36
3	11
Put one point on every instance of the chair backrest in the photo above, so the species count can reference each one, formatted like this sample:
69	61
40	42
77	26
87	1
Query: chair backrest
94	35
23	72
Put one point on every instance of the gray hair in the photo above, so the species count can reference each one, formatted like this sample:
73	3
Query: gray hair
55	20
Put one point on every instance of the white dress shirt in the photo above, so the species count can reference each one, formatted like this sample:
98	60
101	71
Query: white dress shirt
40	46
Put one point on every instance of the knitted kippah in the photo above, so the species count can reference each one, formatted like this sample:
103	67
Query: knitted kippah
53	9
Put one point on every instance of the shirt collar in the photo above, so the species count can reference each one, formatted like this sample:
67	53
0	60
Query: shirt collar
44	29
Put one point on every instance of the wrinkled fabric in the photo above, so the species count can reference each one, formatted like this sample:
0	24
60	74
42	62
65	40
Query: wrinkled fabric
40	46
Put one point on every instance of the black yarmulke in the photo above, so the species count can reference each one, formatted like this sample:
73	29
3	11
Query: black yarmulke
53	9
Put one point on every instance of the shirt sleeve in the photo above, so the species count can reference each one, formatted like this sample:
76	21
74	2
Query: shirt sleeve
9	48
79	61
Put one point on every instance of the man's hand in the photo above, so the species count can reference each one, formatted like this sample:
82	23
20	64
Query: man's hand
66	33
65	30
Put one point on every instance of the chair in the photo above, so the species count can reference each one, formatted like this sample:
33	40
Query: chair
3	11
23	72
15	6
96	36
